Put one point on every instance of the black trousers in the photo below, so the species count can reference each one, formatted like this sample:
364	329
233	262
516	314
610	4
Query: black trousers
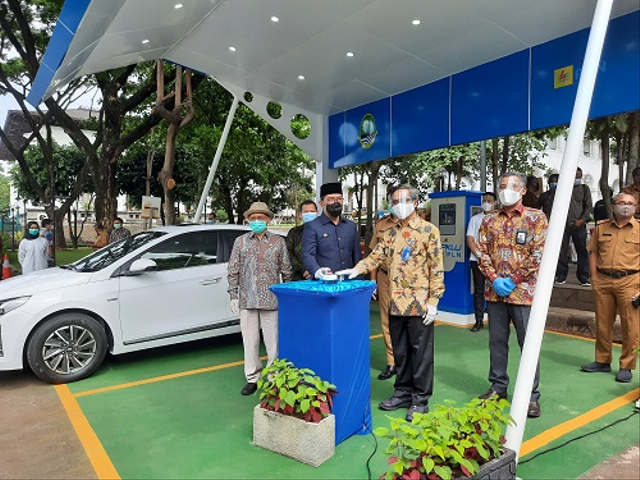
412	343
478	292
579	237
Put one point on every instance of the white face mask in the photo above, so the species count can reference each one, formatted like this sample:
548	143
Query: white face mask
509	197
623	211
487	207
403	210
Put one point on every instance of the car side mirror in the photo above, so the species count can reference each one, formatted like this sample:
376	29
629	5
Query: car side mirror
142	265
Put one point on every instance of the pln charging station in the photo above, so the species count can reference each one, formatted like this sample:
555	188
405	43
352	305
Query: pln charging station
451	212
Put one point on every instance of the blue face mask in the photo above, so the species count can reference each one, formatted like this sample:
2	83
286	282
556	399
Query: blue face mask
258	226
309	216
34	231
552	186
577	181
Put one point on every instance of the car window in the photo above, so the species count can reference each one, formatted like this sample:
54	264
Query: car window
229	236
111	253
190	249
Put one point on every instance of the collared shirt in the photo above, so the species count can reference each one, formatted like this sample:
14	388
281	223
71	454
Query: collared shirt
382	225
618	248
635	191
325	244
511	245
412	254
254	265
119	234
472	231
294	247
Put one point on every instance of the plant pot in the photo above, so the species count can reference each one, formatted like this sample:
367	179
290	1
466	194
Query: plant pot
310	443
502	468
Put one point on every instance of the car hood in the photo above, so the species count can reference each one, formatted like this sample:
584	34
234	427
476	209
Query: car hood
41	281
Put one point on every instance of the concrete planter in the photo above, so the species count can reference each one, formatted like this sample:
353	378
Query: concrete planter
310	443
501	468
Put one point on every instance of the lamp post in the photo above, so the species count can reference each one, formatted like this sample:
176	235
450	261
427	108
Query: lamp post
13	230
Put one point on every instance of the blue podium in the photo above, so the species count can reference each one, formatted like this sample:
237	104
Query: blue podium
325	327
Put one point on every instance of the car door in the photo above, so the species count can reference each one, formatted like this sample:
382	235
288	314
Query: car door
187	293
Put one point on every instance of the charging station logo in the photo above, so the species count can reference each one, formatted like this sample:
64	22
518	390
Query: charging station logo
368	131
563	77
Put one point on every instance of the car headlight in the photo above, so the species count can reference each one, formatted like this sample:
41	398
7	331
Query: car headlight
12	303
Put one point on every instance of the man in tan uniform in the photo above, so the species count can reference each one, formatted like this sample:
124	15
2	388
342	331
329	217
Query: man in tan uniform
615	275
381	277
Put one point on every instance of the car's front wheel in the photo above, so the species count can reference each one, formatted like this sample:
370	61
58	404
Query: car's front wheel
67	348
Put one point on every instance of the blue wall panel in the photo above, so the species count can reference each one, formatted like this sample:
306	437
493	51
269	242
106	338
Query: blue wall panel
336	140
420	118
490	100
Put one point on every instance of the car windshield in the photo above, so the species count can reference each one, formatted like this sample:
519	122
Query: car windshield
114	252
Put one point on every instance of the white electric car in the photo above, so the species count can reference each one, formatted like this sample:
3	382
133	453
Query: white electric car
163	286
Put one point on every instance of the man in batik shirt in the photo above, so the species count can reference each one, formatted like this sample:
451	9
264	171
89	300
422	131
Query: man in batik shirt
411	252
511	241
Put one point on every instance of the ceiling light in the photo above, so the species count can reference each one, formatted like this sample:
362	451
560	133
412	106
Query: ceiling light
415	22
301	77
232	49
275	19
178	6
145	41
349	54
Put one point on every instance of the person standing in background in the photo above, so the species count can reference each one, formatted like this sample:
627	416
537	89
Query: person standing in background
118	232
32	251
530	199
488	204
307	212
546	198
47	233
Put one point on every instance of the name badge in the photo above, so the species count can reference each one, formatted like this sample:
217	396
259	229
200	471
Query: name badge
521	236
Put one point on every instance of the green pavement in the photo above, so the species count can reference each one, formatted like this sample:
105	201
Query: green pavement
199	426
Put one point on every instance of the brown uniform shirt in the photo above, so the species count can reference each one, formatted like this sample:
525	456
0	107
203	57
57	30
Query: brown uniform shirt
618	248
385	223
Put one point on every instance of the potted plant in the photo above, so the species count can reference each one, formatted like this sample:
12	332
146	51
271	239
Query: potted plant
451	442
294	415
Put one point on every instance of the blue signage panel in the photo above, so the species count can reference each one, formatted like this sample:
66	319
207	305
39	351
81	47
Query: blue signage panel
490	100
366	133
336	140
420	118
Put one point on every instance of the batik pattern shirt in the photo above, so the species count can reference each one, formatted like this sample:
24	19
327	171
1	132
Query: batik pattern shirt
412	254
511	244
119	234
254	265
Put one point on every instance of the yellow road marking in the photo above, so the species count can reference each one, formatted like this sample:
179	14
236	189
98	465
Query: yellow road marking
558	431
95	451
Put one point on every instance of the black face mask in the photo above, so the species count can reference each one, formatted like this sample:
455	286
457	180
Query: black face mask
334	209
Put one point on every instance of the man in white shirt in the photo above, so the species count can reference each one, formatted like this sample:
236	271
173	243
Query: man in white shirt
488	204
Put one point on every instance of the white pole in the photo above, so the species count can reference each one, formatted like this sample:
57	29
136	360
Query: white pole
216	160
540	306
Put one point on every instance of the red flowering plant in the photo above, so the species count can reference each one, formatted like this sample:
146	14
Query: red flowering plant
297	392
447	442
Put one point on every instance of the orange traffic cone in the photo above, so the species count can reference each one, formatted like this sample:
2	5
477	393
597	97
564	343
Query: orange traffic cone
7	271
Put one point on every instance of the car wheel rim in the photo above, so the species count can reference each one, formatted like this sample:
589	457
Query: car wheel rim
69	349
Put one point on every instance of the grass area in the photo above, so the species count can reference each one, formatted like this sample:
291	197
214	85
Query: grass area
63	257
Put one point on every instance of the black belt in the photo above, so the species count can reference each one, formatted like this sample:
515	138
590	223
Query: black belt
618	273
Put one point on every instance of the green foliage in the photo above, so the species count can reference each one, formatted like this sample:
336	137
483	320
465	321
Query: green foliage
447	442
298	392
4	193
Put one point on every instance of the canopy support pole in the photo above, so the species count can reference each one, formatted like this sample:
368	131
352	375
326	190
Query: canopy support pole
540	306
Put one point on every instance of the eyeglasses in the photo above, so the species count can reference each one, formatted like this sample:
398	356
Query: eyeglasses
626	204
329	199
407	200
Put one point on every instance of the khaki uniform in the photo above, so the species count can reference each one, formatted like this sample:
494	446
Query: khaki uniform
382	278
615	252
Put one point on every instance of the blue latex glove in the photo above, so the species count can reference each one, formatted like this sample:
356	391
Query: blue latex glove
503	286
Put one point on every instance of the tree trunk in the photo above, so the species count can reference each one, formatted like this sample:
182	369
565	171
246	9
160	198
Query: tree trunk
604	174
505	155
166	174
494	163
634	145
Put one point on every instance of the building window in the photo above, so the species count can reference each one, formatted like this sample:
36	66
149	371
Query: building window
586	147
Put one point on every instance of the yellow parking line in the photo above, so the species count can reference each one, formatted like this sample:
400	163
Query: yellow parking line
95	451
564	428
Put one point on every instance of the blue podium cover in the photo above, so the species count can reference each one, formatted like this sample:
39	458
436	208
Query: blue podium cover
325	327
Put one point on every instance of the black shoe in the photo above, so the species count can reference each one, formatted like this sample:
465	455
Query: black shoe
249	388
416	409
561	281
394	403
477	327
596	367
492	393
534	410
624	375
387	373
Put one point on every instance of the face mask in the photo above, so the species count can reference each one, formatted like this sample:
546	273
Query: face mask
258	226
509	197
334	209
309	216
403	210
623	211
390	209
117	226
34	231
487	207
552	186
577	181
